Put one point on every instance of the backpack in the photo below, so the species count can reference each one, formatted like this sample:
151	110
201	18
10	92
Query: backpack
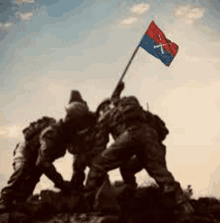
36	127
158	124
32	134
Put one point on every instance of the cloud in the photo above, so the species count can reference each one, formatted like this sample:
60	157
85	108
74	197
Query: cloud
195	13
129	21
181	10
140	8
136	10
18	13
13	13
25	16
6	26
23	1
189	13
13	131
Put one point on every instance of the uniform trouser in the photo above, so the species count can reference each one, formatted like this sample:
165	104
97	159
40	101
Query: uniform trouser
21	183
79	165
141	141
129	168
81	161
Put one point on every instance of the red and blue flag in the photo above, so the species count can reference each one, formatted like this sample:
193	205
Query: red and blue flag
155	42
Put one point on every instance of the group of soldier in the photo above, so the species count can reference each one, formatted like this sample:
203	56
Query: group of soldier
138	144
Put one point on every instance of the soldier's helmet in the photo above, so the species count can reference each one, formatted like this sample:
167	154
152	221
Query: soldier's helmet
75	96
103	106
76	109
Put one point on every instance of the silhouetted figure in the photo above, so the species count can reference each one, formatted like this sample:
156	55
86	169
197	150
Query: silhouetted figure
125	119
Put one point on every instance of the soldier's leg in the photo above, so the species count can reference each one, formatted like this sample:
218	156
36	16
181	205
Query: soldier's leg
153	156
26	188
9	192
128	170
113	157
21	184
79	166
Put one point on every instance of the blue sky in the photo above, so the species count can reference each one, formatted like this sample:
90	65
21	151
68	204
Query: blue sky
49	48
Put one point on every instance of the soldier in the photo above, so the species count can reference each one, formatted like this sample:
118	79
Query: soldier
134	165
61	136
45	141
26	175
89	143
86	143
126	121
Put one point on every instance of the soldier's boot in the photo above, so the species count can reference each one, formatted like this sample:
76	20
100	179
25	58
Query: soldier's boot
184	208
95	179
183	205
128	187
5	205
11	196
128	171
179	201
77	182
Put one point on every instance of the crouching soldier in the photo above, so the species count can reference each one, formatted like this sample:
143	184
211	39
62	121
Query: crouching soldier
126	121
42	146
26	175
61	136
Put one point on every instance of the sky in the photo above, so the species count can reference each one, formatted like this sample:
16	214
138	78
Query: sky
50	47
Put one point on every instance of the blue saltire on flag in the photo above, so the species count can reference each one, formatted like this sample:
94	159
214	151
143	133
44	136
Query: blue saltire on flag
155	42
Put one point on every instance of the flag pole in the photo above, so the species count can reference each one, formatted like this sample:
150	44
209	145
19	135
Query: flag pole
125	70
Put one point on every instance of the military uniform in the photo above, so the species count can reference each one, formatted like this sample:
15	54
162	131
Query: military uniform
26	175
41	147
127	123
66	135
129	168
53	145
89	142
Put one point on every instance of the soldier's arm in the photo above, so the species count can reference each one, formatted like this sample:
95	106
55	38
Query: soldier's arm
101	135
19	158
80	163
158	124
48	153
162	129
117	92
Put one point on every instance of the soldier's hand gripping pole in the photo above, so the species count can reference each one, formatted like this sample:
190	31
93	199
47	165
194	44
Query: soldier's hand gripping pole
117	92
118	86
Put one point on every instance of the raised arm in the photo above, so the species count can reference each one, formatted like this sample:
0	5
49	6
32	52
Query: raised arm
117	92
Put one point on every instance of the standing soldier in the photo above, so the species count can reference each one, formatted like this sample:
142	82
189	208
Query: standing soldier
134	165
126	121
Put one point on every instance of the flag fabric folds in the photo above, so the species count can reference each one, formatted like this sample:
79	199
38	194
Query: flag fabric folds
155	42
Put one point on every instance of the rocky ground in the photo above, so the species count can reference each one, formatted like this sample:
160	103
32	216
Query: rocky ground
115	205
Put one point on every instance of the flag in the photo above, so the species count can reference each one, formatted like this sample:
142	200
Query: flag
155	42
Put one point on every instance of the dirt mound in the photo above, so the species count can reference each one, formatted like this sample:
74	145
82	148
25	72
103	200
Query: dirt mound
143	205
